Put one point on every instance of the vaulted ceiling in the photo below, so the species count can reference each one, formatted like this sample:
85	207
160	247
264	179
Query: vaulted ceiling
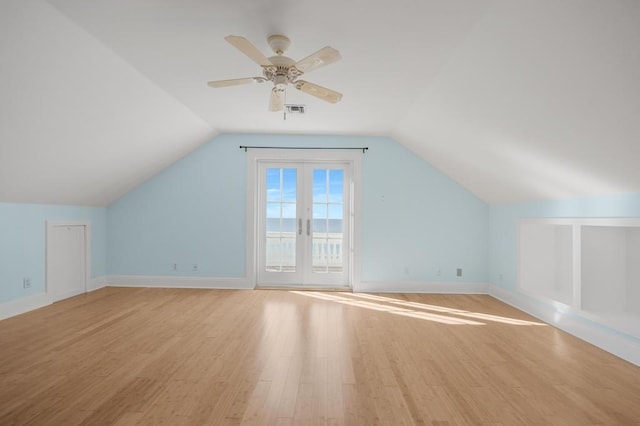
515	100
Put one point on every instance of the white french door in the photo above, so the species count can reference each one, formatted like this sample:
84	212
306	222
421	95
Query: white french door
304	224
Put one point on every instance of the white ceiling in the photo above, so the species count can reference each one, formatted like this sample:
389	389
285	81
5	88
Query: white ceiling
516	100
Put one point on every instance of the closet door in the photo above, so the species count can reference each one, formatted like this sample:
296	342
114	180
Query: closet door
66	260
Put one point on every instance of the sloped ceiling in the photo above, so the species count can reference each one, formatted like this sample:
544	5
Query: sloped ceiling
78	125
516	100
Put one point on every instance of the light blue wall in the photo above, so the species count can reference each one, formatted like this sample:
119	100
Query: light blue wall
504	223
415	220
22	244
192	212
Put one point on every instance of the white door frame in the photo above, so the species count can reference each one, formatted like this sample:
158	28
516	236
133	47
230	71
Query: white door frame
304	276
50	224
354	158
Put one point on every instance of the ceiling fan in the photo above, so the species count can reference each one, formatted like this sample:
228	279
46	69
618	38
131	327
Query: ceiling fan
282	70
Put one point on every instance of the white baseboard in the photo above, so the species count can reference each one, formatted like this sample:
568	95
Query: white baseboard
245	284
178	282
421	287
59	297
40	300
21	306
96	283
563	317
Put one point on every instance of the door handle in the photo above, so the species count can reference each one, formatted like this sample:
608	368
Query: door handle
308	226
300	226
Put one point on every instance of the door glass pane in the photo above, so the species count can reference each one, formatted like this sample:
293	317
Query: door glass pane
335	218
289	185
335	186
280	247
319	218
328	208
273	185
320	185
273	217
289	219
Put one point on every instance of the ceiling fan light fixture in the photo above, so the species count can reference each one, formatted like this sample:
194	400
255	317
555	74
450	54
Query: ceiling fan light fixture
280	80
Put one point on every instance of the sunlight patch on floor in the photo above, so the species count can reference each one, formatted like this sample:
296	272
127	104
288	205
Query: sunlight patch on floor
401	307
443	319
460	312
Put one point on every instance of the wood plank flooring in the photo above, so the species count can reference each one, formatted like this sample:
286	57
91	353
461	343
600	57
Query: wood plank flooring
127	356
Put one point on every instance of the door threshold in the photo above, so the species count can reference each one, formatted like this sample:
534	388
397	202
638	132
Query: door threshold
302	288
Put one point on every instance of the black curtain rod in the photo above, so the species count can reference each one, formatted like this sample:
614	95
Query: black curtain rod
245	147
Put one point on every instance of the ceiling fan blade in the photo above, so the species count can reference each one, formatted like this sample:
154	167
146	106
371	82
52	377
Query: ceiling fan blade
246	47
235	82
325	56
319	91
276	102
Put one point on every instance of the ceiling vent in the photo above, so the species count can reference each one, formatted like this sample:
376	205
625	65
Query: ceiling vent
294	109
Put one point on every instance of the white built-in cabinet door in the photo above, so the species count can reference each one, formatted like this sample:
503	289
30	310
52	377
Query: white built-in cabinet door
66	260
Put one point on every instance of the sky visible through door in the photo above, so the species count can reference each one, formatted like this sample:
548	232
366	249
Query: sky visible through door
281	194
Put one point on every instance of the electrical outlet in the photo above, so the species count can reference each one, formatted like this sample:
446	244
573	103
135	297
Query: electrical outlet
26	283
195	267
439	272
175	266
459	272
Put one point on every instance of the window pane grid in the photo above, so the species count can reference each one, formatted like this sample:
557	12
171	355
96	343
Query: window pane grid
280	247
328	205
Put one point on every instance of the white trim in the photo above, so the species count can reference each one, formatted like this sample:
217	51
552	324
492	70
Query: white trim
178	282
23	305
246	284
251	217
50	224
36	301
97	283
61	297
439	287
563	317
584	221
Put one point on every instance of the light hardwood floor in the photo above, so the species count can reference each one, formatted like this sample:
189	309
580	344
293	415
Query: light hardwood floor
177	356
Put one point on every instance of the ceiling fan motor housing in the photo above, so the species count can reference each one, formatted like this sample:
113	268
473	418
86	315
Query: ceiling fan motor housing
279	43
282	74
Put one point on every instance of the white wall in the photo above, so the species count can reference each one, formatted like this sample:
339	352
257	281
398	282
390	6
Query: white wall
633	271
545	260
604	269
